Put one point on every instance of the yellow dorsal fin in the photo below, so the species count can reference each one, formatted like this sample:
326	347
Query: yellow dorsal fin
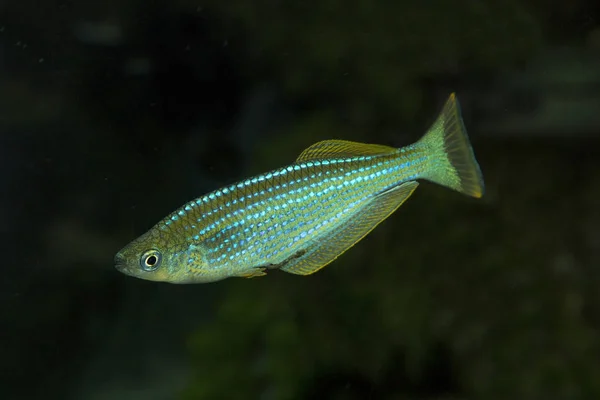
342	148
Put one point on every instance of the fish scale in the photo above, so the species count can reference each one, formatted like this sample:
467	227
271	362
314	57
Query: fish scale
301	217
292	205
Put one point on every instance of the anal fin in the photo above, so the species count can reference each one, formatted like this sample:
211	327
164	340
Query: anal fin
365	219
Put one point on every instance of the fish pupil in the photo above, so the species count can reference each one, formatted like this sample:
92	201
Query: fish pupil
151	261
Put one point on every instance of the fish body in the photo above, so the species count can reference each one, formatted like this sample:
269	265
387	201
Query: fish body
300	217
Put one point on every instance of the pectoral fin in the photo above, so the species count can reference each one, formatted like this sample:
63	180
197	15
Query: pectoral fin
327	249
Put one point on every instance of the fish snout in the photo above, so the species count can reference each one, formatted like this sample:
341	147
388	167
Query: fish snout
120	262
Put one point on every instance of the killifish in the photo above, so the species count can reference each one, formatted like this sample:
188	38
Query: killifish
301	217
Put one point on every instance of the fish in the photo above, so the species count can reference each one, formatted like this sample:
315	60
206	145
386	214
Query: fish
301	217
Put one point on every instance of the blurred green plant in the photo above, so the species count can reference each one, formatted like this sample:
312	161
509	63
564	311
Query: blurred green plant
366	59
487	278
473	275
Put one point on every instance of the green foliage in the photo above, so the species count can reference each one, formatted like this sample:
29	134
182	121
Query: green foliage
361	55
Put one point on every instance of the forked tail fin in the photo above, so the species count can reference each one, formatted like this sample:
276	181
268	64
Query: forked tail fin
453	163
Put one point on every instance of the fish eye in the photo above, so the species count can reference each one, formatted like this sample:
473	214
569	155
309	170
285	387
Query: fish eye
150	260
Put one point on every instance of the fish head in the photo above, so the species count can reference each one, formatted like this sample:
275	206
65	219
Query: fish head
155	256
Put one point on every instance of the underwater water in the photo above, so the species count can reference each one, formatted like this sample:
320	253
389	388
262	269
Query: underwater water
116	114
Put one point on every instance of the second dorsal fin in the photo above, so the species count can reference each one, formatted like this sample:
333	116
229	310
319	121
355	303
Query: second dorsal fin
342	148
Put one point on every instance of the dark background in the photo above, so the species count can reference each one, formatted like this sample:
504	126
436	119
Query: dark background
114	113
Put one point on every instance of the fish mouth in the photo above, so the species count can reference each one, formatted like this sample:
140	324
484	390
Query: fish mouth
121	267
124	269
120	263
